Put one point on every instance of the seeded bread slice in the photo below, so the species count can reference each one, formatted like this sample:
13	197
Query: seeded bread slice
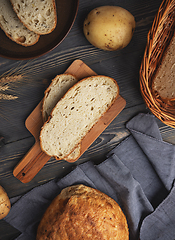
76	113
56	90
164	80
38	16
13	28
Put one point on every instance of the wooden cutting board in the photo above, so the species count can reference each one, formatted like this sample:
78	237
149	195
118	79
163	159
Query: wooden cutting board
35	159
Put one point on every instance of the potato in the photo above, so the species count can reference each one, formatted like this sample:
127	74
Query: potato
4	203
109	27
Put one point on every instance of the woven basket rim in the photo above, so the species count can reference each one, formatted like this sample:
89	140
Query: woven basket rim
158	39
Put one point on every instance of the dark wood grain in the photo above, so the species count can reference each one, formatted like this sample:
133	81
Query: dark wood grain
122	65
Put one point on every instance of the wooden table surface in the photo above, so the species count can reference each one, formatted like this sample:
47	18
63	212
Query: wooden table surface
25	93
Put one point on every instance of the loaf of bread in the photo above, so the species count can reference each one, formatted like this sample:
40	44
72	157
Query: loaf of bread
163	84
80	212
38	16
76	113
56	90
13	28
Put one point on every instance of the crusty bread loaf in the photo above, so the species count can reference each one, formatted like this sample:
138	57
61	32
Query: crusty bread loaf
38	16
81	212
56	90
76	113
164	81
12	26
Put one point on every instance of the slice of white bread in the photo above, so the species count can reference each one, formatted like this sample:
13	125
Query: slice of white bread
164	81
56	90
74	155
13	28
76	113
38	16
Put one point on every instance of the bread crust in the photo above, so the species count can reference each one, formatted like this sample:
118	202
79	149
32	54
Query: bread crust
67	94
19	40
81	212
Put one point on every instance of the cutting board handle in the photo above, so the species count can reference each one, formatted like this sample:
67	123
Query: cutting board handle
35	159
31	164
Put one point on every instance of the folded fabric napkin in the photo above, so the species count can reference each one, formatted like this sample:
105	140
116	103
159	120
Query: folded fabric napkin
139	174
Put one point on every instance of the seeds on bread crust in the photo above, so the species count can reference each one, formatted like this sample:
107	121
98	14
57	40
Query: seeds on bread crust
81	212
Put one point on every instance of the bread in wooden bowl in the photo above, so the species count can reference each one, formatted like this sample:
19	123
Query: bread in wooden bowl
163	84
81	212
37	15
76	113
13	27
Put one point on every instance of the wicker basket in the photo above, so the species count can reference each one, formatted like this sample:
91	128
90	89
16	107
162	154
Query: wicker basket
158	39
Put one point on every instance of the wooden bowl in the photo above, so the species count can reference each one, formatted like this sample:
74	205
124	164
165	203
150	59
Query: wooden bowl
66	14
158	39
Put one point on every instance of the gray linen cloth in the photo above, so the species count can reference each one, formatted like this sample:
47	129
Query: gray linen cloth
138	173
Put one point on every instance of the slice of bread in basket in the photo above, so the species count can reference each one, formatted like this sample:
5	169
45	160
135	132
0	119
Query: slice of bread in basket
76	113
163	84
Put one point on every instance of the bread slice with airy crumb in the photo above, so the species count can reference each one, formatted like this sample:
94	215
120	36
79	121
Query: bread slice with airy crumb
76	113
56	90
39	16
73	156
163	84
13	28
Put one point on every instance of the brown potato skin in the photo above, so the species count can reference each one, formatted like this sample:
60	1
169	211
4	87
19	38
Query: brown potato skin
109	27
5	204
